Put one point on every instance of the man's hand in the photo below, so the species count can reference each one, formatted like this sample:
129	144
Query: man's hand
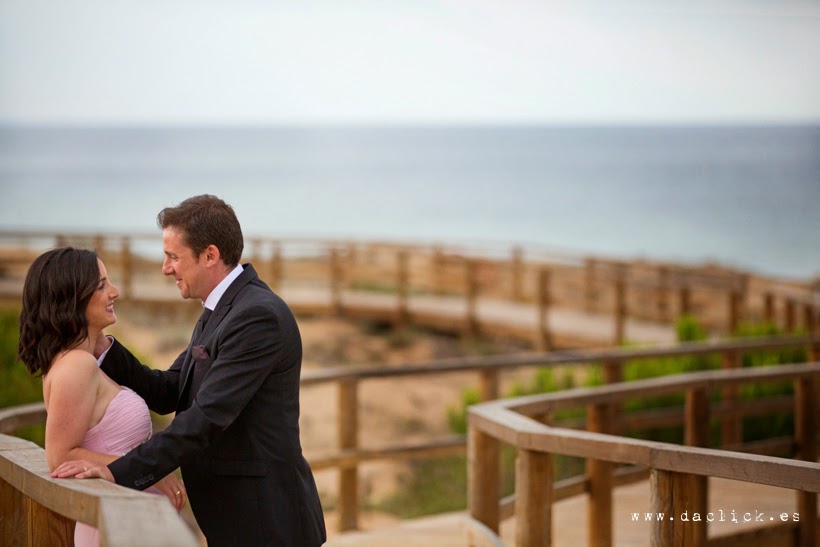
82	469
174	490
101	344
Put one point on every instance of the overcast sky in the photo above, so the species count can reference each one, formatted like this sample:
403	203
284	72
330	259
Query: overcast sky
408	61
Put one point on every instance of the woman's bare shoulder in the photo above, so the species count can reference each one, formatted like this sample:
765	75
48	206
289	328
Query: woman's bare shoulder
74	362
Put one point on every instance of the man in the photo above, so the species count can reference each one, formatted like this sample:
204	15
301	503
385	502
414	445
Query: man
235	390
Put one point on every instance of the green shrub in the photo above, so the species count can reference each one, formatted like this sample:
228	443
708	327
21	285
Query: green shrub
17	385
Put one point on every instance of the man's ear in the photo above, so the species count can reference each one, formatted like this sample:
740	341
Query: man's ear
212	255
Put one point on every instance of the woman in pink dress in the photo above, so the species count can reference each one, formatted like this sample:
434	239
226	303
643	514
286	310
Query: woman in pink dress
67	302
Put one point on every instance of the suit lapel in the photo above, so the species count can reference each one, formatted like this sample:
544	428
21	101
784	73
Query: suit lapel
222	309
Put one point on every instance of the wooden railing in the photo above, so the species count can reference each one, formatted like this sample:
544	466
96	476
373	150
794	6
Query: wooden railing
654	291
678	474
353	451
38	510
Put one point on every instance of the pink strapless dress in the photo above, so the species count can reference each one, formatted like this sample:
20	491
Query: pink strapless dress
125	425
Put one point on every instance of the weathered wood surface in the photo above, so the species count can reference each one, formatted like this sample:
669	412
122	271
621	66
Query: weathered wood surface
38	510
679	474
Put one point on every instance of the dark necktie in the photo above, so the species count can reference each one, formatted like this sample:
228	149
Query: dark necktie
197	371
200	325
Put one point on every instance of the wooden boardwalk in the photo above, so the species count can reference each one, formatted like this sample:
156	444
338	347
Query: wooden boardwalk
493	316
570	519
515	319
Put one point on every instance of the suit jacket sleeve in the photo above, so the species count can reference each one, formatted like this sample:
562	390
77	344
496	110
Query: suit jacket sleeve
249	349
159	388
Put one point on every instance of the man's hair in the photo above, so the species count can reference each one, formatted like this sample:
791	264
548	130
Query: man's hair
58	287
206	220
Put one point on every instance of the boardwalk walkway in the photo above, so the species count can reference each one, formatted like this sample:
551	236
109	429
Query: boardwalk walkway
516	319
570	519
493	315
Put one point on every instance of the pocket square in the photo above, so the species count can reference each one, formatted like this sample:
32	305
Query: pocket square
200	353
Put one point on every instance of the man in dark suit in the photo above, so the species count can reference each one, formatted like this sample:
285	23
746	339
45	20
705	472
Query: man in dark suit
235	390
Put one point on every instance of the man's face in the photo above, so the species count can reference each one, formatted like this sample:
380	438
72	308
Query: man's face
188	270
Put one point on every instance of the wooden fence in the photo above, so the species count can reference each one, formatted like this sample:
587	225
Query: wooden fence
354	451
719	297
678	474
37	510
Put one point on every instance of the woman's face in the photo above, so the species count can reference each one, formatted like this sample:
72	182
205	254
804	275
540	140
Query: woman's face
100	310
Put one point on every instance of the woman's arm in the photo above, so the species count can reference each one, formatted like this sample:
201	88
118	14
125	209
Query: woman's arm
74	382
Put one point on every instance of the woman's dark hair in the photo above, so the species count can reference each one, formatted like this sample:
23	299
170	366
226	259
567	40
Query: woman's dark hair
59	284
206	220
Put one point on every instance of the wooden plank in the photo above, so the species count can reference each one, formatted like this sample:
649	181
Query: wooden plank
50	528
123	523
14	516
806	426
533	491
673	496
348	431
483	478
601	483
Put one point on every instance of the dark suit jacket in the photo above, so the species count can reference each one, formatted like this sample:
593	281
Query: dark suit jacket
236	432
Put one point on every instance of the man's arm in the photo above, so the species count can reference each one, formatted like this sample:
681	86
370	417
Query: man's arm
251	348
159	388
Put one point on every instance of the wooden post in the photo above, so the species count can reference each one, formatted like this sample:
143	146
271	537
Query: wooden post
350	271
48	527
127	287
14	516
697	434
533	499
731	429
99	248
275	266
811	328
684	300
471	280
23	521
489	384
516	267
620	308
768	307
483	478
790	312
809	318
544	336
402	287
589	286
671	494
735	311
805	430
348	431
599	472
438	270
335	282
614	373
662	294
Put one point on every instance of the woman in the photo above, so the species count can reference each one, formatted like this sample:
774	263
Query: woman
67	302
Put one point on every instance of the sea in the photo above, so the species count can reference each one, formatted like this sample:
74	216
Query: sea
742	196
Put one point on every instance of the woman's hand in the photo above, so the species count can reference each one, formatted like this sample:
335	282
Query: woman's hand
174	490
82	469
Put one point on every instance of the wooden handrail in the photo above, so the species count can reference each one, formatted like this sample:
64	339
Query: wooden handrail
39	510
637	289
353	454
671	466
